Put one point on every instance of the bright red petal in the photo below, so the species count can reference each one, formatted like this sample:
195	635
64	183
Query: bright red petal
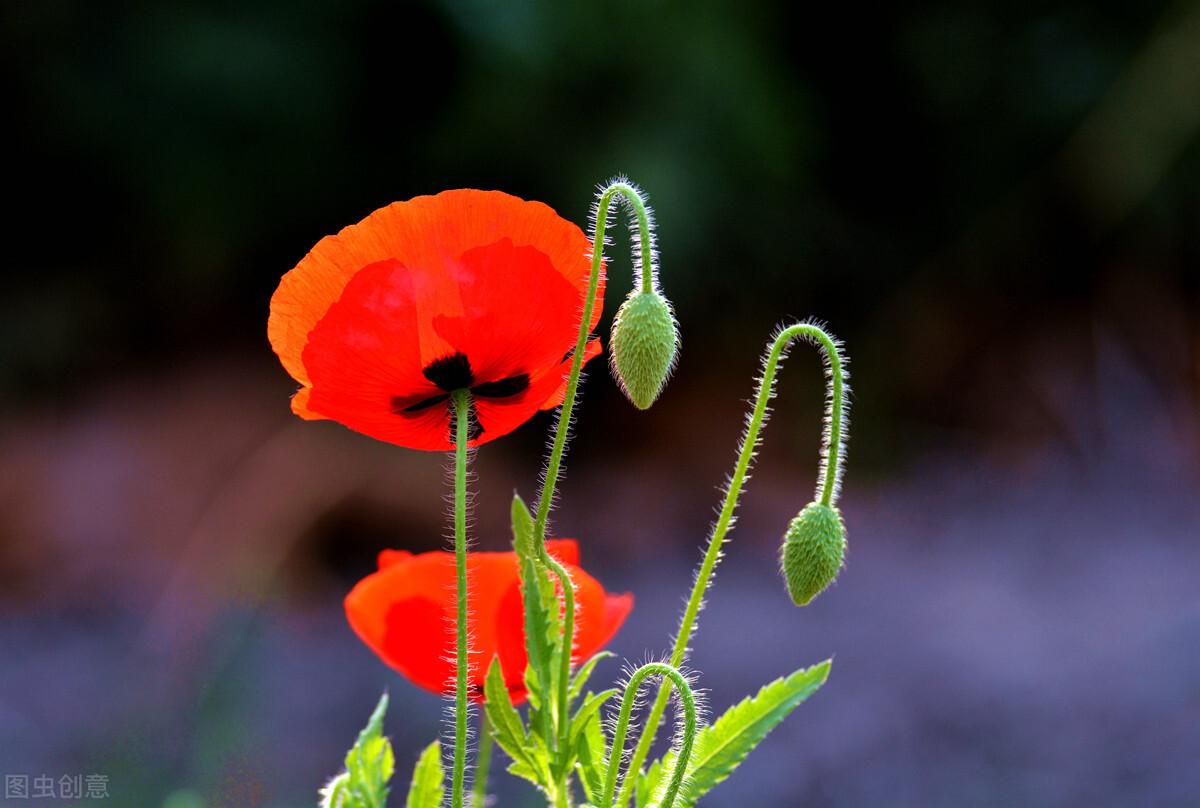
565	550
405	612
427	232
483	275
363	359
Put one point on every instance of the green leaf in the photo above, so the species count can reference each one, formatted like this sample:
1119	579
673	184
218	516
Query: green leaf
536	766
522	528
724	744
369	766
592	749
529	755
585	671
428	787
649	783
541	629
532	691
506	723
590	707
538	626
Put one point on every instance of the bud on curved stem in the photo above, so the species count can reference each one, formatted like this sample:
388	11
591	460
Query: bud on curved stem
685	742
643	262
644	266
828	485
813	552
645	335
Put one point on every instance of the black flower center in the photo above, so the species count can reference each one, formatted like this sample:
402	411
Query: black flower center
453	372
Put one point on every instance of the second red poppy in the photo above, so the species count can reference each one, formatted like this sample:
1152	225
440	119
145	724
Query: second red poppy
405	613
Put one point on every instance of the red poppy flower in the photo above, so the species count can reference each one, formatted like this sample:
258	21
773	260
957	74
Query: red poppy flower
405	612
467	289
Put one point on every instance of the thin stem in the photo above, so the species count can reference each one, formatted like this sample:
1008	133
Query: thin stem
562	427
638	206
831	474
462	412
483	763
618	746
564	663
831	441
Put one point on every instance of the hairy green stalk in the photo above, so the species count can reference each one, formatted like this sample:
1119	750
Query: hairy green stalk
671	674
562	427
834	435
638	206
462	415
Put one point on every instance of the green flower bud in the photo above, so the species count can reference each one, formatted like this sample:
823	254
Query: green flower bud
813	552
645	340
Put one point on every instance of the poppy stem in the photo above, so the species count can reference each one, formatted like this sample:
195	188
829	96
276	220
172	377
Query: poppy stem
462	415
684	754
645	263
829	483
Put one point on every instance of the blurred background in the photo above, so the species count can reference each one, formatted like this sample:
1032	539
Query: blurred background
996	205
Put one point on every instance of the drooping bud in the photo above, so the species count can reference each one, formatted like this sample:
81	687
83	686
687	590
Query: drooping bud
813	552
645	341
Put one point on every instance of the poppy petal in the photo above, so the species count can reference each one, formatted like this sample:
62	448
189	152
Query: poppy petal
517	311
433	289
565	550
405	612
427	232
388	558
363	360
591	351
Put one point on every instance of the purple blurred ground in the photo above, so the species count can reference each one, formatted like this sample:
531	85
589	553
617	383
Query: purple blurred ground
1016	626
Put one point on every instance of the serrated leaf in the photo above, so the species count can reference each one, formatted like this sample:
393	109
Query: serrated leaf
724	744
506	723
532	691
541	622
369	766
522	528
585	672
592	749
428	787
535	767
590	707
649	783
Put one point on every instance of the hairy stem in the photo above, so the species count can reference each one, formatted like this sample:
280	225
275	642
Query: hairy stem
646	265
562	426
671	674
462	416
834	434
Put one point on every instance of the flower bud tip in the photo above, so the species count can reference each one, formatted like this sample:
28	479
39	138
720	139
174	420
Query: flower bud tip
645	341
813	552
